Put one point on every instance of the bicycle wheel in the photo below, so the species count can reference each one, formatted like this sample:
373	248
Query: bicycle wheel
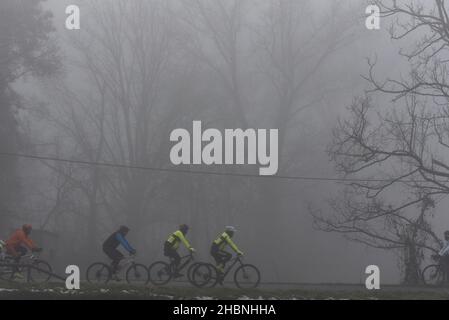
43	272
98	273
213	276
6	273
13	272
203	275
159	273
247	276
190	271
433	275
137	274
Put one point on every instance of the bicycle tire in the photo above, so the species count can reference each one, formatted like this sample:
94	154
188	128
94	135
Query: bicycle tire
203	275
139	275
37	276
241	269
8	273
104	273
438	273
213	276
190	271
160	269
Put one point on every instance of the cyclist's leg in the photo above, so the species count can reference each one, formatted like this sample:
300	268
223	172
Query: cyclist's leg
170	252
174	257
224	257
116	256
108	253
214	252
17	253
445	266
221	257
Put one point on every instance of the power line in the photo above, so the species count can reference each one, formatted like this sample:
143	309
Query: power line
194	172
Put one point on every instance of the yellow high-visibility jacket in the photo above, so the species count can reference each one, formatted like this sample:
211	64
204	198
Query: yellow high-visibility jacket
176	238
223	240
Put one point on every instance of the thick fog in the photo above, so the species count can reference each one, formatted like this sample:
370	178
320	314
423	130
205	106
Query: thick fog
137	70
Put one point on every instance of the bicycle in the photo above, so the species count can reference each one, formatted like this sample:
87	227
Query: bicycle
101	273
38	270
435	274
161	272
246	276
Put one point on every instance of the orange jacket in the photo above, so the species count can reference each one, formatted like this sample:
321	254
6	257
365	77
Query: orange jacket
19	238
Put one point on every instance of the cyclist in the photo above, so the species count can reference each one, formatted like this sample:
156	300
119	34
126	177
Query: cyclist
172	244
444	252
217	251
19	241
110	248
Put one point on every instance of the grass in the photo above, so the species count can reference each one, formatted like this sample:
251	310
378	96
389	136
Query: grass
122	291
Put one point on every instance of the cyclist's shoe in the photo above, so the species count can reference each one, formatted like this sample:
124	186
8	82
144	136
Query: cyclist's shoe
220	279
178	275
18	276
220	273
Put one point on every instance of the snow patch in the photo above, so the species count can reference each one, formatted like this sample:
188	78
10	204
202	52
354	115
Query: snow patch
248	298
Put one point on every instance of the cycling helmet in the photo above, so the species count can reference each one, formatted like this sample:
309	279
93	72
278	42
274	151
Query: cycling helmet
230	229
27	228
184	228
123	229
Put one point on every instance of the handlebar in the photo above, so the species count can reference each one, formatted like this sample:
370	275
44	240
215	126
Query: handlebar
189	255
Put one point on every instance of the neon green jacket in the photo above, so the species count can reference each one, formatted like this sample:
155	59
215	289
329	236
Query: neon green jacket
176	238
223	240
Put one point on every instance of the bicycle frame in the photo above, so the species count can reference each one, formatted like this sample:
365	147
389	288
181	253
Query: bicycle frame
235	260
125	262
187	259
29	256
441	265
445	268
14	266
10	267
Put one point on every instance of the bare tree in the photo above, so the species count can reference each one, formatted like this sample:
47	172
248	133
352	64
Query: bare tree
116	114
129	64
396	154
26	49
281	46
